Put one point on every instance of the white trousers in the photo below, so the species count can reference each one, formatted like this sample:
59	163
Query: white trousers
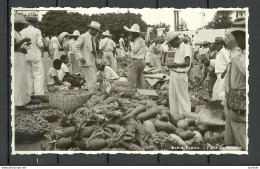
56	53
179	97
110	60
90	74
218	89
35	74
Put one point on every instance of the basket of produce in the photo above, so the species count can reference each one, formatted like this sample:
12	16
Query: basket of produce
212	114
69	100
30	127
50	114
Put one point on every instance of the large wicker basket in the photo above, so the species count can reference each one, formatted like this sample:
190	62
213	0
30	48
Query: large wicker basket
69	100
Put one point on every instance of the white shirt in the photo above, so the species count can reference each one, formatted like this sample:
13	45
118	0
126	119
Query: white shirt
138	48
182	51
55	44
34	52
63	70
121	42
222	60
165	47
110	73
107	45
50	74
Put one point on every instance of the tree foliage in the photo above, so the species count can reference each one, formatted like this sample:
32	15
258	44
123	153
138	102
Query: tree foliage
55	22
183	25
221	20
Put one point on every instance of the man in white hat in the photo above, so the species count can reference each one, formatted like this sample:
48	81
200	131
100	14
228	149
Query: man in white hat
75	68
108	47
35	71
137	54
178	89
235	86
85	50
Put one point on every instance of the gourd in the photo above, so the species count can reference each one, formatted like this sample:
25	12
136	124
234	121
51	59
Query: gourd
149	126
164	126
148	114
186	135
183	124
178	140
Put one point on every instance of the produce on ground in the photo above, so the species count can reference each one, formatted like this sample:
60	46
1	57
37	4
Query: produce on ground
30	127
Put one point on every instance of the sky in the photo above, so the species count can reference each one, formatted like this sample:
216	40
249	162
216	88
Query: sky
193	17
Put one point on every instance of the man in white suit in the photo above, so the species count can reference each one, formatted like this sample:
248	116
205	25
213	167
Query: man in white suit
35	71
85	50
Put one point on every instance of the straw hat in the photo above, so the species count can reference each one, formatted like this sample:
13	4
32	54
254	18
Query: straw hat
20	19
135	28
212	114
95	25
205	43
106	33
172	35
75	33
62	35
219	40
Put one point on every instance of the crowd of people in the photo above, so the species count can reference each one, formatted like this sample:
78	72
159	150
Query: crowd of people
93	54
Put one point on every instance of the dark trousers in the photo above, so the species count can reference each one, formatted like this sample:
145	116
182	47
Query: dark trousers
136	77
75	82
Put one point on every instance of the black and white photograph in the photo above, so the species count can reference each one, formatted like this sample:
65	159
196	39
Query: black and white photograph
131	81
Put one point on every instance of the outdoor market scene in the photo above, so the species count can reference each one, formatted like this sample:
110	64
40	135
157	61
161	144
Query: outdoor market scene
121	80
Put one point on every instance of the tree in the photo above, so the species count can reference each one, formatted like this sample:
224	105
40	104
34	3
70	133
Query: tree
55	22
221	20
183	26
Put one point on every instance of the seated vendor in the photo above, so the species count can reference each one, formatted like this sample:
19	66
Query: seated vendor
53	82
107	72
65	76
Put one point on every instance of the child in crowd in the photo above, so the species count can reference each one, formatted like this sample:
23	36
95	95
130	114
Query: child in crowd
53	82
65	76
106	76
106	71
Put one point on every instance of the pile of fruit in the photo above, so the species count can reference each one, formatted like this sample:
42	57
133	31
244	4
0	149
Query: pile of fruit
49	114
124	66
129	122
163	93
30	126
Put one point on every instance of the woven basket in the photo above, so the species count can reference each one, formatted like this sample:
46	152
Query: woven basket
69	100
211	117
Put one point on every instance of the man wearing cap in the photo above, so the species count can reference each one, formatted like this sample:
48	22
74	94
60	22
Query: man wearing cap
235	82
85	50
108	47
178	89
222	60
137	54
35	71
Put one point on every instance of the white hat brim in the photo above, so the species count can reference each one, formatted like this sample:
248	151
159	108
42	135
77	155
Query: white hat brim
95	28
131	30
173	37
